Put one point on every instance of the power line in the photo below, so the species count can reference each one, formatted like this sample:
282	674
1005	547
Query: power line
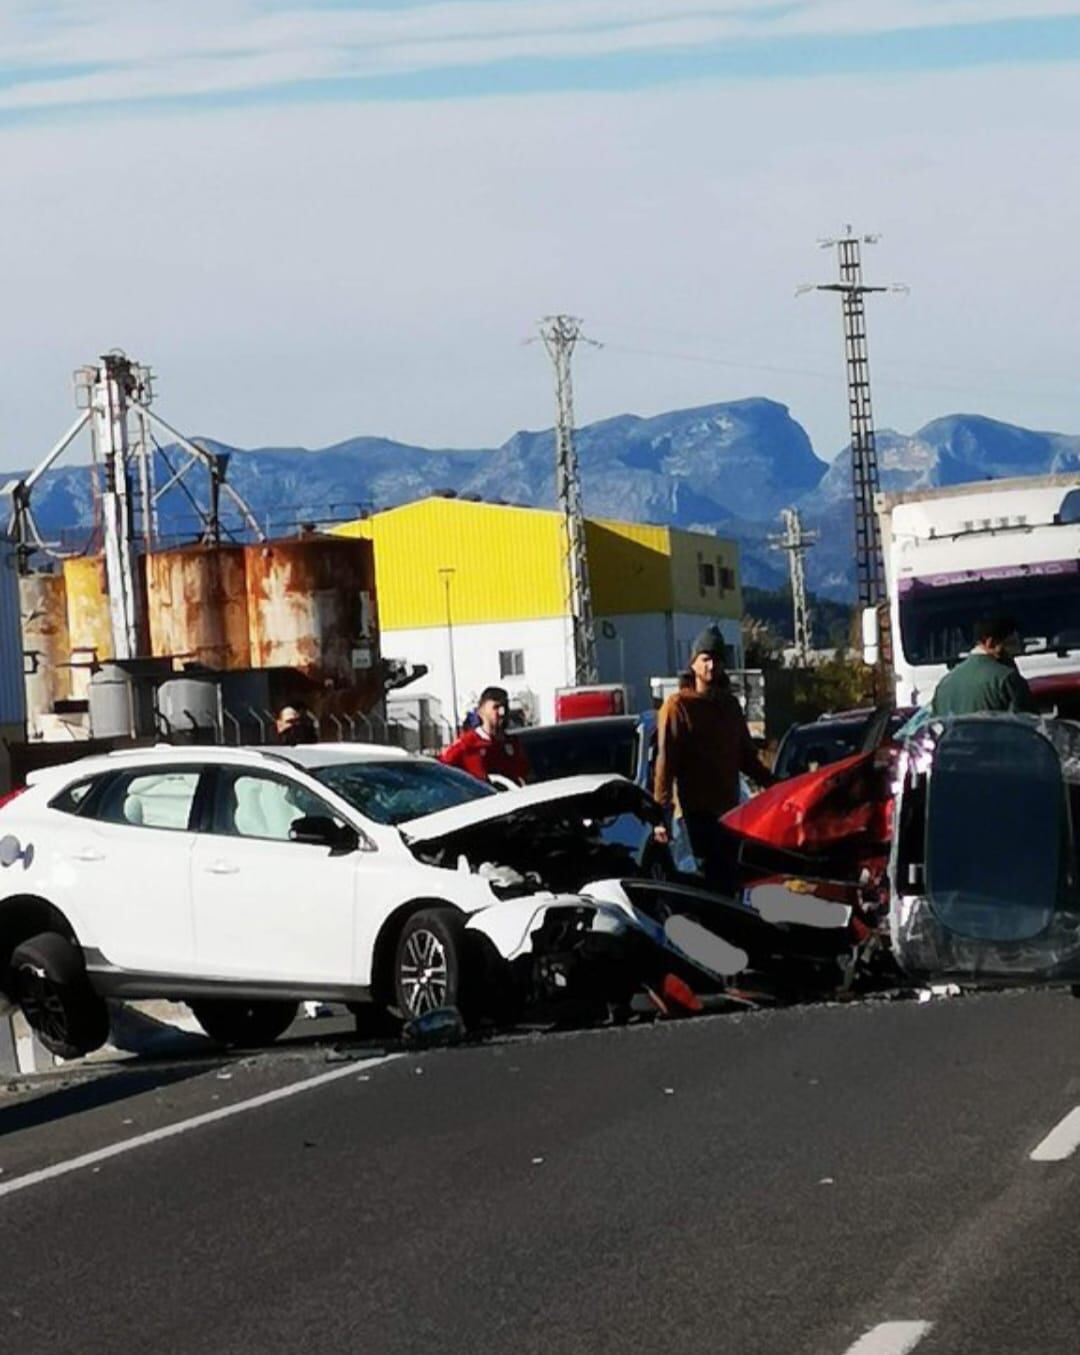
934	365
991	374
731	364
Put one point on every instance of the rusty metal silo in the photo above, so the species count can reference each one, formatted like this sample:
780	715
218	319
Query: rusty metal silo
88	622
43	616
197	604
311	606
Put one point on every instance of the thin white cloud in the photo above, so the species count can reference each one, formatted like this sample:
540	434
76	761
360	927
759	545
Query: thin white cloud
301	275
150	48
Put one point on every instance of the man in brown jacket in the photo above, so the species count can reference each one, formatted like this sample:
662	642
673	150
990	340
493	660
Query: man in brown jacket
703	745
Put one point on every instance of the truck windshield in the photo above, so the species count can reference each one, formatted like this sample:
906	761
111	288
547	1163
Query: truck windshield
936	618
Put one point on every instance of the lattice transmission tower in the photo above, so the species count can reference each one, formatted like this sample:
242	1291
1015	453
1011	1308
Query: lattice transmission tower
561	335
870	570
796	541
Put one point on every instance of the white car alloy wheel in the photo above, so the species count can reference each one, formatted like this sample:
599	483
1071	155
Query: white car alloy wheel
423	971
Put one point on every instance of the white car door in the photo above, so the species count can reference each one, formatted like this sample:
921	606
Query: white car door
131	861
266	907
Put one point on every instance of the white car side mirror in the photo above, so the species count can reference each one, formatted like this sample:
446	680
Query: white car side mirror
12	850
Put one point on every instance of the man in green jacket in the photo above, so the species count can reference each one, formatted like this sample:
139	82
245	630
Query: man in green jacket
987	680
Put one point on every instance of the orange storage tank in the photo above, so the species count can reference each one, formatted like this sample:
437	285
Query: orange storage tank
311	606
43	616
197	604
89	626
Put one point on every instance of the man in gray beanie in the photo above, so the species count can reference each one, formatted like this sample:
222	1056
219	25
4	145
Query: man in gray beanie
703	745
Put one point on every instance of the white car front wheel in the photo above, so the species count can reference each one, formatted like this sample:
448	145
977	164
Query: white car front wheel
51	986
431	964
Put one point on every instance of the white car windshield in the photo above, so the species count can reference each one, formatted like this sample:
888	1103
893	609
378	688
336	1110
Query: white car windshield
393	792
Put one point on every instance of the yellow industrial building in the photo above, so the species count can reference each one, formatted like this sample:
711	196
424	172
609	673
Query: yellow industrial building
481	589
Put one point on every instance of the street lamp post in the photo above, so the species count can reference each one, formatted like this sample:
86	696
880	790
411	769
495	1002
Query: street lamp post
447	574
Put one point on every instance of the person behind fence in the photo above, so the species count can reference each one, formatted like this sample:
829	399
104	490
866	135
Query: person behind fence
703	746
295	725
487	750
988	679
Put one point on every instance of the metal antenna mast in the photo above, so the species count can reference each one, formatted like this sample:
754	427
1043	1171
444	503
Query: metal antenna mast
110	390
870	569
114	395
796	541
561	334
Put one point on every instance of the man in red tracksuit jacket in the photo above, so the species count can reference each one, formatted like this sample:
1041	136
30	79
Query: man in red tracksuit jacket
487	750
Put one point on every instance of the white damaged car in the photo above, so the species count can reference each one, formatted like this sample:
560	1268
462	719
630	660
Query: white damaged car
244	881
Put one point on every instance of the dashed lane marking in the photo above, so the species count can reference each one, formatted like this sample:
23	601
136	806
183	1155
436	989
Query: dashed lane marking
890	1338
168	1131
1062	1141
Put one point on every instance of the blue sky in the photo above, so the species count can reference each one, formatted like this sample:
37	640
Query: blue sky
151	54
382	198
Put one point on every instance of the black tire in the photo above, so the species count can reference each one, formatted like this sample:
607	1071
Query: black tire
50	984
246	1025
434	965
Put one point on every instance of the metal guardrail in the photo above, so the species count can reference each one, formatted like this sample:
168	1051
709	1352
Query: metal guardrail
9	1048
257	726
20	1051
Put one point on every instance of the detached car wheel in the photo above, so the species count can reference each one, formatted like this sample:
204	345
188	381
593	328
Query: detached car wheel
245	1024
50	984
431	968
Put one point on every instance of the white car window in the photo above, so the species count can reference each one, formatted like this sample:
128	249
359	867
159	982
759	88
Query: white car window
152	799
71	798
266	807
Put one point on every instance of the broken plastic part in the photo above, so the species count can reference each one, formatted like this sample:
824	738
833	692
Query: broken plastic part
433	1029
939	990
678	993
656	1000
500	875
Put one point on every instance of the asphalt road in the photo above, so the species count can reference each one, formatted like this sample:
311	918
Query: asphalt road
791	1181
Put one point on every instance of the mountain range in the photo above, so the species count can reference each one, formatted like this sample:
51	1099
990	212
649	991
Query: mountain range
728	468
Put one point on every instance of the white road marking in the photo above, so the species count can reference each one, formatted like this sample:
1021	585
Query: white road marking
1062	1141
168	1131
890	1338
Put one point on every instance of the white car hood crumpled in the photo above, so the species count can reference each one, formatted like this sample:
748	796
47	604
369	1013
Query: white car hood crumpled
600	796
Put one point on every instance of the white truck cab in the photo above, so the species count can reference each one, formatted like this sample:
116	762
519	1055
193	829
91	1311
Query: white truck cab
956	554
